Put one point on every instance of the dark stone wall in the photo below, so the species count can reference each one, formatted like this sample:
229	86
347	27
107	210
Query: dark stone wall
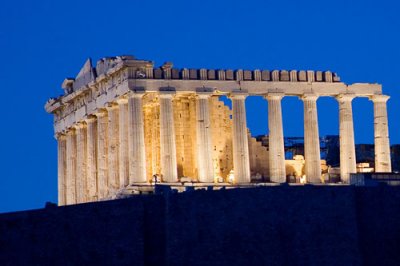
267	226
107	233
310	225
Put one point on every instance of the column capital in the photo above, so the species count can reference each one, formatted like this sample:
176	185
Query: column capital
274	96
70	131
203	95
238	95
136	94
101	112
346	97
90	119
111	106
122	100
60	136
79	125
166	94
309	97
379	98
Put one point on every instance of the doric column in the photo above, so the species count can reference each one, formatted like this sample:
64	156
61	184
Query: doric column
113	148
311	139
61	149
346	134
204	143
91	170
167	139
102	154
123	143
241	163
137	152
277	170
381	134
70	182
81	162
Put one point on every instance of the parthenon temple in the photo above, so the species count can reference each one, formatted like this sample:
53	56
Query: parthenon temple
125	122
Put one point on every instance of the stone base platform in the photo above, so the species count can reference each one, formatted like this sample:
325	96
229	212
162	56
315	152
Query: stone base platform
151	188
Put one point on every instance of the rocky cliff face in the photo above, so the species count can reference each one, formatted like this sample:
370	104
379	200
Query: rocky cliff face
258	226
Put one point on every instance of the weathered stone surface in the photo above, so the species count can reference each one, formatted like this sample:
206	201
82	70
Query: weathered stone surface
293	75
203	74
302	75
175	73
311	139
123	142
229	75
275	75
91	171
185	73
240	142
346	132
136	142
277	171
257	75
62	153
167	133
85	75
193	74
328	76
265	75
284	75
102	154
381	134
204	143
247	75
318	76
158	73
221	74
81	163
211	74
161	137
310	76
239	75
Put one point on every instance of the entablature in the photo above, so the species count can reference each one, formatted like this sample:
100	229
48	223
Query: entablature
115	77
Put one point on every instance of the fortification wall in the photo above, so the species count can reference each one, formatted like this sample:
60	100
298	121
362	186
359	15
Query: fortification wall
258	226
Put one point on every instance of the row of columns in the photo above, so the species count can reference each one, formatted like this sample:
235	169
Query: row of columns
107	151
311	137
103	153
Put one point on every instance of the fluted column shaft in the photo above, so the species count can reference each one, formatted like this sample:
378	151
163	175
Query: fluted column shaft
61	150
102	154
381	134
346	134
137	152
241	162
91	170
311	139
167	139
123	143
70	182
277	170
204	142
81	162
113	148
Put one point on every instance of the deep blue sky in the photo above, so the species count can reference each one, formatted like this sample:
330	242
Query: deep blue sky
42	42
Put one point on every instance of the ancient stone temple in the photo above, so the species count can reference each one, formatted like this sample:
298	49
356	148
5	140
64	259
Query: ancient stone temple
125	122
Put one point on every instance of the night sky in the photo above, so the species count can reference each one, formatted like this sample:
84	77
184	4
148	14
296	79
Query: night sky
42	42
